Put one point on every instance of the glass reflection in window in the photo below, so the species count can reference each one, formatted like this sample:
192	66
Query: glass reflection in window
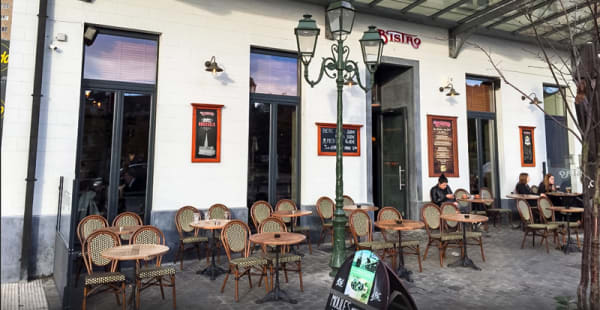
276	75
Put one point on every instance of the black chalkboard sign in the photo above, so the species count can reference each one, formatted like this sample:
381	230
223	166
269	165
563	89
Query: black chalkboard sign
206	134
527	146
327	142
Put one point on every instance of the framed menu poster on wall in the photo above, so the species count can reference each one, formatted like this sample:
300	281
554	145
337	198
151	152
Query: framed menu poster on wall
206	133
527	143
442	146
327	143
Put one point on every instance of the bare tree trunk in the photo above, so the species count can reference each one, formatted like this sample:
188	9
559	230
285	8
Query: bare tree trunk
595	258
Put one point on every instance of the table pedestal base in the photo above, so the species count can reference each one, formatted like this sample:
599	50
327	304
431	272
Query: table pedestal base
277	294
570	247
213	271
464	262
404	273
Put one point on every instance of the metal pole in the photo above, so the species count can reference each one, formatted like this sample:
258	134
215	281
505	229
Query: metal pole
339	217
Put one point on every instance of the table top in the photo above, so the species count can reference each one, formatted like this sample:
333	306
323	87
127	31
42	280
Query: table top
125	231
362	207
134	251
286	213
561	194
522	196
476	200
565	210
473	218
210	224
406	225
285	238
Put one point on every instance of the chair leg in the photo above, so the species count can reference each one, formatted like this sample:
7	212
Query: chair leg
285	272
250	276
237	279
225	281
577	237
84	302
426	250
524	238
162	292
174	295
266	276
481	246
442	250
545	237
300	276
180	256
321	237
124	298
138	285
116	291
533	239
419	259
309	242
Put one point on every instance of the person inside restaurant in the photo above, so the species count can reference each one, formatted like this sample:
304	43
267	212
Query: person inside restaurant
441	192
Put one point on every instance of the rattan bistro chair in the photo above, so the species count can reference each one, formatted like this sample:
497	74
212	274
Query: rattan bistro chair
360	225
127	219
86	226
493	213
273	224
430	214
153	275
547	216
259	211
450	208
218	211
532	228
325	207
289	205
459	194
235	240
183	218
94	244
392	214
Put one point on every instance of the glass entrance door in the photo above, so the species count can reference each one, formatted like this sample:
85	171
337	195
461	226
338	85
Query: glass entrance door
390	158
482	155
113	161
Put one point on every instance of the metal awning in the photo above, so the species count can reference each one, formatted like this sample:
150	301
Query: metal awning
504	19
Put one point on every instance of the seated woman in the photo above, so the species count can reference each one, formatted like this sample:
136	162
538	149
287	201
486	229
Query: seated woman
524	189
441	192
547	185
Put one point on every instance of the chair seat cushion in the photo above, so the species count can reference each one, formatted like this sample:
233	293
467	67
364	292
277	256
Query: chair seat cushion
564	224
104	278
376	245
479	212
194	239
301	228
542	226
498	210
448	236
407	243
285	258
250	261
151	272
473	234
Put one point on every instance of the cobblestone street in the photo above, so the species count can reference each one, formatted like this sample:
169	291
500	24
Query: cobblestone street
511	278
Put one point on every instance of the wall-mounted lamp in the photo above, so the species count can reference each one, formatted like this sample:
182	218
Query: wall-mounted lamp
212	66
89	35
535	99
452	92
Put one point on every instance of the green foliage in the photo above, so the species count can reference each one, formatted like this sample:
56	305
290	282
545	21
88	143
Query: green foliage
565	303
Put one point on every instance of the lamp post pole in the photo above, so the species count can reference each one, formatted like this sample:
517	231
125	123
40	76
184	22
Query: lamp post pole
338	67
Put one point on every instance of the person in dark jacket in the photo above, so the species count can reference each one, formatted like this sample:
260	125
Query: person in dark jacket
523	186
547	185
441	192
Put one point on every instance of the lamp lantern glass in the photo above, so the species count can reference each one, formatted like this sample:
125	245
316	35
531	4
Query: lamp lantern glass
307	33
372	47
341	19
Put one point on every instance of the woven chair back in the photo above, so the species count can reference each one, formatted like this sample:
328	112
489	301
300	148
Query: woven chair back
449	208
234	236
389	214
544	205
325	207
348	201
127	219
259	211
148	235
217	211
430	213
459	194
272	224
360	224
285	205
183	218
486	193
534	189
88	225
524	211
95	244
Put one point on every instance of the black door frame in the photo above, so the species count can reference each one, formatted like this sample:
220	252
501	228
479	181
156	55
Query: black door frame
478	117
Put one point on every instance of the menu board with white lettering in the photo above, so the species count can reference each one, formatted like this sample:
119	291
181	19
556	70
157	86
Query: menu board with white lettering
206	133
327	140
442	148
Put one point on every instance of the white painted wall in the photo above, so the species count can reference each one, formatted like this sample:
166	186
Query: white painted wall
192	32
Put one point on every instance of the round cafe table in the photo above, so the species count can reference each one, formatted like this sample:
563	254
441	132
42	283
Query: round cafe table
123	230
291	213
360	207
399	227
270	238
464	261
570	246
132	252
213	271
471	200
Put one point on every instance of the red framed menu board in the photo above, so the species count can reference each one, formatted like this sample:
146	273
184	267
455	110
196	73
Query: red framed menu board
350	138
527	144
442	146
206	133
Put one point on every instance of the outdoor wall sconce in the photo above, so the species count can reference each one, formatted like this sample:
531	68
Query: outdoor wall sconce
535	99
212	66
452	92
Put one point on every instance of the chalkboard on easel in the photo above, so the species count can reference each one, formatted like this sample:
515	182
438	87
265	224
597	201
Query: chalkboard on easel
327	141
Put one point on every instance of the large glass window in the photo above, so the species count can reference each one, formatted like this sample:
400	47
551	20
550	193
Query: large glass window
553	101
273	74
480	95
557	143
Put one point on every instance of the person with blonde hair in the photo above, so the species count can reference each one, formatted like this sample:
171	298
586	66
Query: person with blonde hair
547	185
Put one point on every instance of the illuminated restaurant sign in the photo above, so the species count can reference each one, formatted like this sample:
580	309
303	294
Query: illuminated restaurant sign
399	37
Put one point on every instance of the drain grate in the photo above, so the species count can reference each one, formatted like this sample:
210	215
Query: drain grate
23	296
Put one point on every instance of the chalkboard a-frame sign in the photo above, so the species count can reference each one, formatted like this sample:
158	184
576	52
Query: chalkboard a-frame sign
206	133
527	146
326	143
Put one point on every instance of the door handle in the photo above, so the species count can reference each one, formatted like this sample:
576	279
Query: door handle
400	177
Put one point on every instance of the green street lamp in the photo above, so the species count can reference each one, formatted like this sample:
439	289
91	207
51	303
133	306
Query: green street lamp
341	19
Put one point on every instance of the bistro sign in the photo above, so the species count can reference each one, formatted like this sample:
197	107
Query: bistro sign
399	37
